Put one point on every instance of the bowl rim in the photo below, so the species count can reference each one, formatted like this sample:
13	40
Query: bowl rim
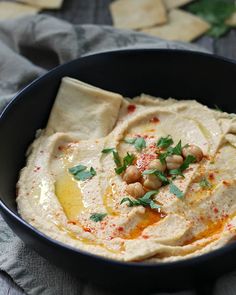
185	262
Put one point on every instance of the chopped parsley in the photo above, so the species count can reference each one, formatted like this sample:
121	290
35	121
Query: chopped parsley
176	191
165	142
158	174
189	160
204	183
144	201
80	172
177	150
138	142
127	161
98	216
215	12
108	150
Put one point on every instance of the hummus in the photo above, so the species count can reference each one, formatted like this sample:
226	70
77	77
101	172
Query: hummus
75	186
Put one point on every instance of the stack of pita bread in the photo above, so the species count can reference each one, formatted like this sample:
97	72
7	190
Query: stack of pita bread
10	10
161	18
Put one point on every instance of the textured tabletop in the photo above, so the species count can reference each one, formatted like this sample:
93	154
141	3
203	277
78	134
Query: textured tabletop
97	12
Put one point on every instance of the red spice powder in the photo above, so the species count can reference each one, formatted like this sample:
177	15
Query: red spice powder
145	236
211	176
87	229
131	108
154	120
120	228
215	210
144	160
71	222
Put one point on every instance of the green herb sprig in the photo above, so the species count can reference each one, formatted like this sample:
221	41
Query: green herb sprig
96	217
189	160
215	12
144	201
138	142
127	161
80	172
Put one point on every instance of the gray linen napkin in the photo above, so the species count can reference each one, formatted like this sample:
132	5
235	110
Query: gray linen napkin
28	47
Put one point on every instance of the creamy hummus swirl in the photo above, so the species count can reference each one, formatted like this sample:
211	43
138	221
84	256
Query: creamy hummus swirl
84	121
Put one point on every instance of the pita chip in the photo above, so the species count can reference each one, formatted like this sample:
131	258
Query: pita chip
10	10
138	14
182	26
232	20
170	4
44	4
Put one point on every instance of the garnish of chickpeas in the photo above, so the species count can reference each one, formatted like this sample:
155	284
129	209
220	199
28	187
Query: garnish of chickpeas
193	150
152	182
174	162
131	174
157	165
136	190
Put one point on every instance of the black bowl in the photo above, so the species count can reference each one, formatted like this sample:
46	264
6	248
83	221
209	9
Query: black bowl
165	73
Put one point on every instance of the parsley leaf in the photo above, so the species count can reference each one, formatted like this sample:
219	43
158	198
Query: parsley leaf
127	161
158	174
116	158
204	183
165	142
153	205
139	143
177	150
98	216
77	169
214	12
176	191
80	173
143	201
189	160
108	150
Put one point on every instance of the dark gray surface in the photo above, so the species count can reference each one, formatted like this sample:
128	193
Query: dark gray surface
97	12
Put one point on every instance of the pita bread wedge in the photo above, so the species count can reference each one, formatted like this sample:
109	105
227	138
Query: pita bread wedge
182	26
232	20
47	4
170	4
138	14
10	10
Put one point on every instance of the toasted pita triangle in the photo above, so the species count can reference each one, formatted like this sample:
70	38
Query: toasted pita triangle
138	14
10	10
49	4
182	26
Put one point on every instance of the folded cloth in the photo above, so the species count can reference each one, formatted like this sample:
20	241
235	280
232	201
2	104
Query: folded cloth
28	48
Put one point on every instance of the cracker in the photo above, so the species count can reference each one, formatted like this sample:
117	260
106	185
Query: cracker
47	4
10	10
182	26
170	4
232	20
138	14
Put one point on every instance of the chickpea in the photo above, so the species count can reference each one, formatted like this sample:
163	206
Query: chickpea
152	182
156	164
174	162
193	150
135	190
132	174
